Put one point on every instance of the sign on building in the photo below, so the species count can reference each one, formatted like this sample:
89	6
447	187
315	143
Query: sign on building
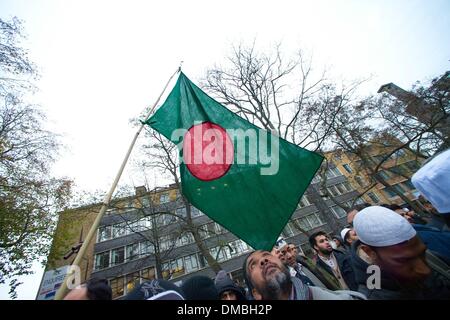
51	282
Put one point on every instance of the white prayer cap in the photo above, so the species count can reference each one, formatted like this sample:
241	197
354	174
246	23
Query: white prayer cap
433	181
381	227
280	243
344	232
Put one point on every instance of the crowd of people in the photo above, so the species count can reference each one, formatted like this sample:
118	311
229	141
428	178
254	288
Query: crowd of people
386	252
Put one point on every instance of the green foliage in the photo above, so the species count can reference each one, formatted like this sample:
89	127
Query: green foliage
29	196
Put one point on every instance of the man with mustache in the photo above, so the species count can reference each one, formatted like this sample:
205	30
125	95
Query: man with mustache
268	278
336	263
406	269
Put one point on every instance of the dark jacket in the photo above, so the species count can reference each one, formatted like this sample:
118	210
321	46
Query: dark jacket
437	241
327	280
435	287
345	266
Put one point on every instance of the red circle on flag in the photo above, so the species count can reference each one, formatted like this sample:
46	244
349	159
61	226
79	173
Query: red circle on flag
208	151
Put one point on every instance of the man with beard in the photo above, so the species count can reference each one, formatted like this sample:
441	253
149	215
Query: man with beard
287	253
268	278
406	270
336	263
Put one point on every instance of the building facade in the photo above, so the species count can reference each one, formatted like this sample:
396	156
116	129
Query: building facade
144	232
396	171
132	240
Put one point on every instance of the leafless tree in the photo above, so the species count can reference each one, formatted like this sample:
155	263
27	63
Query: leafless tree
285	96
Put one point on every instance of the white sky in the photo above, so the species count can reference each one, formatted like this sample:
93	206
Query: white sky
103	62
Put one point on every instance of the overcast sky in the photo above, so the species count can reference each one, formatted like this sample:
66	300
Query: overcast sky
103	62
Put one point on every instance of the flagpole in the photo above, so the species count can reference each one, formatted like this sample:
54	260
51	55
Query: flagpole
62	291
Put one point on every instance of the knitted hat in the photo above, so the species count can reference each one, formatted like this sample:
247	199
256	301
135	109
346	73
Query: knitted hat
200	288
381	227
224	283
156	290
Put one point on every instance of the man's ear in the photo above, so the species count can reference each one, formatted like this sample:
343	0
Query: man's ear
371	254
256	294
316	248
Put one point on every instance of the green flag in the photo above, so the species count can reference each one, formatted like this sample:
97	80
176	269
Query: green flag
239	175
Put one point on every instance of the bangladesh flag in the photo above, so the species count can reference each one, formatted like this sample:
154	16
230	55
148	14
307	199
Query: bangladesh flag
241	176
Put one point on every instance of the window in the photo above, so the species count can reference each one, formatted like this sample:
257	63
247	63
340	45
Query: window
191	263
347	168
359	180
181	212
195	212
347	186
132	251
336	171
145	201
314	220
287	231
176	266
399	153
202	261
219	229
373	197
117	287
413	165
333	191
304	202
316	179
132	227
341	189
148	274
102	260
165	243
164	198
165	268
145	223
383	175
104	233
117	256
338	211
389	192
399	188
219	253
168	219
203	231
332	172
119	230
409	185
399	170
304	224
146	248
133	280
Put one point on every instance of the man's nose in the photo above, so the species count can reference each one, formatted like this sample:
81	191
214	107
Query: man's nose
264	261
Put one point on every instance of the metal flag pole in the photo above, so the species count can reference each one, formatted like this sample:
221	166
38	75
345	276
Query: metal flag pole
62	291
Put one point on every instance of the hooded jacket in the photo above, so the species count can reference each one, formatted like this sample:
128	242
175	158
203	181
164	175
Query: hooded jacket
435	287
224	283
